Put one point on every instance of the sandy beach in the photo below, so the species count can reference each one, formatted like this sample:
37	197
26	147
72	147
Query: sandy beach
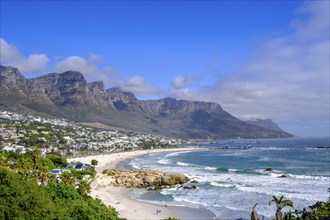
118	197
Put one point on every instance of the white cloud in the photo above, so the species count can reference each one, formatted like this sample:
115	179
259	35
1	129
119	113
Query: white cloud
88	67
181	82
138	86
287	78
77	63
10	56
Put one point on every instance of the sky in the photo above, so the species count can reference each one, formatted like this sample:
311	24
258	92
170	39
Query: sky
257	59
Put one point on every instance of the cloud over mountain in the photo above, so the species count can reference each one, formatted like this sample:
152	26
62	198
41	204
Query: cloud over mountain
181	82
35	63
9	55
138	86
90	69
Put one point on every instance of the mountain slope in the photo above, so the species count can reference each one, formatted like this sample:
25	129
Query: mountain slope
68	95
265	123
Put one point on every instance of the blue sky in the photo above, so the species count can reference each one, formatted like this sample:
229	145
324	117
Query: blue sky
267	59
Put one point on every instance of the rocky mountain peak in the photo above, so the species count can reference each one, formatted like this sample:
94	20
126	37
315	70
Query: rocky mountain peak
68	95
96	87
9	70
123	101
117	94
12	80
169	106
72	76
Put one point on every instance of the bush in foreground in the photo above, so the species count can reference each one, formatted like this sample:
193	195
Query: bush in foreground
22	198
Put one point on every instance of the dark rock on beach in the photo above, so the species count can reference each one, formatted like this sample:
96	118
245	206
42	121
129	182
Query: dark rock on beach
269	169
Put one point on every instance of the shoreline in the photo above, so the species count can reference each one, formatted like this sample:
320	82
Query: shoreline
118	197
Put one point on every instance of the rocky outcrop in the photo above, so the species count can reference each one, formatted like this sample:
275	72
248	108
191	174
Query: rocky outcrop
144	178
170	106
123	101
12	81
65	89
97	92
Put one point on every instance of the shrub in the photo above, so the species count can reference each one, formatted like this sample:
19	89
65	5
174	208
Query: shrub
94	162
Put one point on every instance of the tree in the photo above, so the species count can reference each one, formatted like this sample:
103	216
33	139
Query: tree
320	210
46	164
280	204
57	159
254	213
36	155
24	166
17	129
84	188
45	178
68	179
3	159
22	198
94	162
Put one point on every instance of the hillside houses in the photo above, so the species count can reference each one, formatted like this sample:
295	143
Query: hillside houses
59	135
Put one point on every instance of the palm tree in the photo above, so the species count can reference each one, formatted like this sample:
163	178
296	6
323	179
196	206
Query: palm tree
24	166
254	213
36	156
3	160
45	178
280	204
68	179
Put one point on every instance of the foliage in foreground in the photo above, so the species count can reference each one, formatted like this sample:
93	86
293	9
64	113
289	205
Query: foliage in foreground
318	211
21	197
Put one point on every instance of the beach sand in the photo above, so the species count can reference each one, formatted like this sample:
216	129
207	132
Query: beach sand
118	197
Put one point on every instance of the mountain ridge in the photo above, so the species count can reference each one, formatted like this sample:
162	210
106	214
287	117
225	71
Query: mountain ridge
265	123
70	96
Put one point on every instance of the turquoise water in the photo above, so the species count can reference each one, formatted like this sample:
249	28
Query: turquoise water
231	175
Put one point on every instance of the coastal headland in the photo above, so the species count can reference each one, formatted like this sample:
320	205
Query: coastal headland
118	197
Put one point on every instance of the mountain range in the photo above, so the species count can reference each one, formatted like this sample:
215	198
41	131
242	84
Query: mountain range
68	95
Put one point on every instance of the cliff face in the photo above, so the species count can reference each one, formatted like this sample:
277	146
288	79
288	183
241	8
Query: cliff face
12	81
97	93
123	101
68	88
170	106
69	95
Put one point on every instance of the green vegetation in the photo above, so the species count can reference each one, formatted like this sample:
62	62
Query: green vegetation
280	204
62	197
57	159
79	174
94	162
153	144
318	211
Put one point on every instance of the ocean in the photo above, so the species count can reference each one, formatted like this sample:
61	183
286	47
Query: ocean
231	175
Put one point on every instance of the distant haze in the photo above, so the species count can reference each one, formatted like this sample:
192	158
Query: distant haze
257	59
